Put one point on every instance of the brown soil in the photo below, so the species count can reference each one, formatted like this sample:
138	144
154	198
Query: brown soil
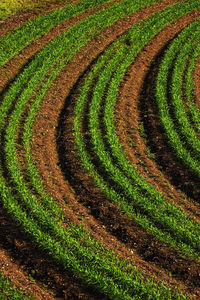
74	190
10	70
31	270
82	184
14	21
197	83
136	98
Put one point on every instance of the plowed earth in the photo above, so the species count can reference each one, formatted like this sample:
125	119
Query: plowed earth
64	178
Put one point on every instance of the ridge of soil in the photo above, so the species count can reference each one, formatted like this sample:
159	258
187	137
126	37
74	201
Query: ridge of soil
138	101
55	182
15	20
32	270
197	83
100	218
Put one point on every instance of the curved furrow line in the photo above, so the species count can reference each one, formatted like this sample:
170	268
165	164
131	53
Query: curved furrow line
76	249
183	141
129	191
66	167
44	239
196	83
135	98
125	230
190	81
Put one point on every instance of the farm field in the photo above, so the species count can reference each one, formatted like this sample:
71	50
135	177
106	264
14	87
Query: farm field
100	149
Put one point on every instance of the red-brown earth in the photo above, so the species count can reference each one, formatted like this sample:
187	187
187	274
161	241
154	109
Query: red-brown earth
73	189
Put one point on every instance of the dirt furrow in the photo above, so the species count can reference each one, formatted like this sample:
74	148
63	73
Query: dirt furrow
32	270
103	213
82	202
136	135
15	66
197	83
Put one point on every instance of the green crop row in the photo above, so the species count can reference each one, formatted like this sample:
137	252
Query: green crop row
93	264
13	42
138	193
28	87
193	109
9	292
23	80
186	131
188	149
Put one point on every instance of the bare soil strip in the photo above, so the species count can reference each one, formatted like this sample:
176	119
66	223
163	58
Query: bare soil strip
32	270
83	189
137	99
18	19
74	190
42	271
16	65
197	83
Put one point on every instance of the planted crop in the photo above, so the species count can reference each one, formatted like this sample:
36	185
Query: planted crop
100	224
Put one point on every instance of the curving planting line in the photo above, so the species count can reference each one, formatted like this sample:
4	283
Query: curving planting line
108	164
24	78
189	90
8	291
13	42
171	133
49	51
186	131
102	281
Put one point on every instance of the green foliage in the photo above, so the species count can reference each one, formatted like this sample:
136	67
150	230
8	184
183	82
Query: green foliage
72	247
188	149
136	197
9	292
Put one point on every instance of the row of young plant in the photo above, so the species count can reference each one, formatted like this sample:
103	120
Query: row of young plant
13	42
184	140
14	91
96	267
154	212
9	292
30	78
16	40
185	129
194	112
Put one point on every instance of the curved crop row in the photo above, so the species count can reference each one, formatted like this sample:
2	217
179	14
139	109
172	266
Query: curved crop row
173	136
193	110
9	292
32	206
137	195
23	194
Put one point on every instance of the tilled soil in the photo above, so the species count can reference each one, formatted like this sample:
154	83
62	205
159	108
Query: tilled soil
197	83
82	202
